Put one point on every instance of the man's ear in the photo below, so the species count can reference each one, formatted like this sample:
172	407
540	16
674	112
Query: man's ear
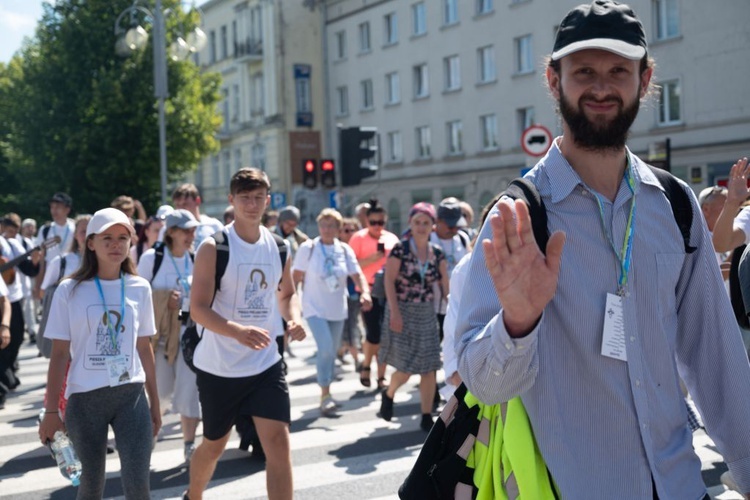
646	81
198	200
553	82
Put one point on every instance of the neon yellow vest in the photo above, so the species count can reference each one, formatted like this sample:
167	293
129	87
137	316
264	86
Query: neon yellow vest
506	460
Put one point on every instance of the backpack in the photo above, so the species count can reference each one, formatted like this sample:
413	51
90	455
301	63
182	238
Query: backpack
191	338
44	344
735	288
159	247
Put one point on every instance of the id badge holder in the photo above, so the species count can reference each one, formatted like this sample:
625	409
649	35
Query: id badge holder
332	282
117	370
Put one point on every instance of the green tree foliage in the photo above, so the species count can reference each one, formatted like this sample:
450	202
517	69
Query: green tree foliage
84	121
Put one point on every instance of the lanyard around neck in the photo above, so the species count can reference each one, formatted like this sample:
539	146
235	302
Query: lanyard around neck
624	257
110	328
182	279
327	261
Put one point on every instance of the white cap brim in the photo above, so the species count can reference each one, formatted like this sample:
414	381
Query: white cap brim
106	226
624	49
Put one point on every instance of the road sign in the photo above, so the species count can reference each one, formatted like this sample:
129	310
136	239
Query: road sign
333	199
278	200
536	140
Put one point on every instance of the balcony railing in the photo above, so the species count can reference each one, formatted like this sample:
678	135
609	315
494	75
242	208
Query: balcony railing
250	50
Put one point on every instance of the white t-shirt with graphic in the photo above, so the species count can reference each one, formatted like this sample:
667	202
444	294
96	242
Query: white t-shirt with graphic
10	248
52	274
78	315
323	297
248	297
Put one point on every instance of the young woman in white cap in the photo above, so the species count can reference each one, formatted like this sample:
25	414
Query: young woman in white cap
169	268
101	321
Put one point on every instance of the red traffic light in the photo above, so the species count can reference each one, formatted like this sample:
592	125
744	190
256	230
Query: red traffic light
327	166
309	173
327	173
310	166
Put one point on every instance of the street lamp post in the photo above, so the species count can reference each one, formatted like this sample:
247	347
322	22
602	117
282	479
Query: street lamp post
135	38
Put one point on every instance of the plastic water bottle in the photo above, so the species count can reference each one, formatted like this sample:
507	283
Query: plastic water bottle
67	460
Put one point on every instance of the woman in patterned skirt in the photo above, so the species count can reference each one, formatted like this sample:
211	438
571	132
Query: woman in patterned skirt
410	342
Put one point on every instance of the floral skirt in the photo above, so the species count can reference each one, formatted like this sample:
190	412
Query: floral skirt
416	349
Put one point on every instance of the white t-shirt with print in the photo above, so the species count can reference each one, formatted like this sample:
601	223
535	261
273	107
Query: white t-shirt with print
454	251
77	315
209	226
52	274
170	272
66	232
10	248
318	261
248	297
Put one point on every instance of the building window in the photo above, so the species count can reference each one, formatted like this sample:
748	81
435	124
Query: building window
225	107
424	142
212	46
236	107
484	7
486	64
224	43
258	156
395	152
394	216
392	90
450	12
667	19
215	171
419	19
227	161
366	88
391	28
488	127
237	160
454	132
234	38
525	117
452	70
342	101
258	95
364	37
421	81
340	44
524	54
670	109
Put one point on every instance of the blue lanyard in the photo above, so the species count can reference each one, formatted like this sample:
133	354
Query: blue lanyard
183	281
113	329
67	230
625	256
422	266
328	261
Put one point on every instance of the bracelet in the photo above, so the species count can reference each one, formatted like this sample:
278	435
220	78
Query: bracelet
5	326
49	411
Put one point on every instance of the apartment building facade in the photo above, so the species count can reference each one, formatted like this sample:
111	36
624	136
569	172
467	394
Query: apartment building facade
269	56
451	85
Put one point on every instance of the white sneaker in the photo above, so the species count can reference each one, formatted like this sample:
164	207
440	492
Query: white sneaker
328	406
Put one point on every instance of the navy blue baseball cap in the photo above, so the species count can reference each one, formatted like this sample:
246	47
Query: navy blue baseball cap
604	25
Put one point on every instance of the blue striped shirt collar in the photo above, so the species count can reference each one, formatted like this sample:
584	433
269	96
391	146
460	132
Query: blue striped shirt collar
563	179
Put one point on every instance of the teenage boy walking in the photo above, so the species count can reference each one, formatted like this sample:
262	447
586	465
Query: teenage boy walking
238	367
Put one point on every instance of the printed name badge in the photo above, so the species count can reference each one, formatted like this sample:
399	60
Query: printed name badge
117	369
613	338
333	283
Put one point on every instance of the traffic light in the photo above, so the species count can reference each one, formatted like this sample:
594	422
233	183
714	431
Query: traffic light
309	173
327	174
358	149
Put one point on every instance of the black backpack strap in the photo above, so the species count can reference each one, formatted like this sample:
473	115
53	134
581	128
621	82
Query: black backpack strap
222	257
283	249
63	261
45	231
158	258
680	203
523	189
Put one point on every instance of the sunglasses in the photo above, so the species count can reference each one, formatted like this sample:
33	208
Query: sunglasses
348	230
376	222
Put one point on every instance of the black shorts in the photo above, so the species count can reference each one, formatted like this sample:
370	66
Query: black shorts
373	322
223	399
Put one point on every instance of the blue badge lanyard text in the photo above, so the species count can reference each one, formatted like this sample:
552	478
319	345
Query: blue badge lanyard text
328	262
112	329
182	279
624	258
422	265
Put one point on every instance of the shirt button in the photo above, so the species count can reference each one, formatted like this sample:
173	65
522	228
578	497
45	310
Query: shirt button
645	426
632	338
508	346
638	383
497	374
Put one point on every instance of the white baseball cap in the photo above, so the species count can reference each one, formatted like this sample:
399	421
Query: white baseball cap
163	211
105	218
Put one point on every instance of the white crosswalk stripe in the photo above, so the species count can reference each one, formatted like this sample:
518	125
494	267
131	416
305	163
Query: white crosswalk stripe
353	455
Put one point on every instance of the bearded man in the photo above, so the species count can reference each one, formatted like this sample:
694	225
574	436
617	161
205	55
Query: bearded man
594	335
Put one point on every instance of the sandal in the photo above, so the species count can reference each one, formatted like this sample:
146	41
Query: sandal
381	383
365	379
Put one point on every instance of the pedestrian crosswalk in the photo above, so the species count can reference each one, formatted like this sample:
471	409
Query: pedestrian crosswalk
352	455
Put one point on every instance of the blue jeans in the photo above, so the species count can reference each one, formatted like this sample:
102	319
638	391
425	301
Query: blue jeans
327	336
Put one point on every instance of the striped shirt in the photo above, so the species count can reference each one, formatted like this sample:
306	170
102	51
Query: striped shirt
607	427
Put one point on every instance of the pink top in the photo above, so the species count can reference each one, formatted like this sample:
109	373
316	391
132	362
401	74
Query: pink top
365	245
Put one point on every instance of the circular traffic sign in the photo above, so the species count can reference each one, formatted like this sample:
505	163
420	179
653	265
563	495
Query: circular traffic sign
536	140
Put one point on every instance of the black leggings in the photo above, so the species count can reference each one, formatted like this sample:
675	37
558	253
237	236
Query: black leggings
374	321
9	355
